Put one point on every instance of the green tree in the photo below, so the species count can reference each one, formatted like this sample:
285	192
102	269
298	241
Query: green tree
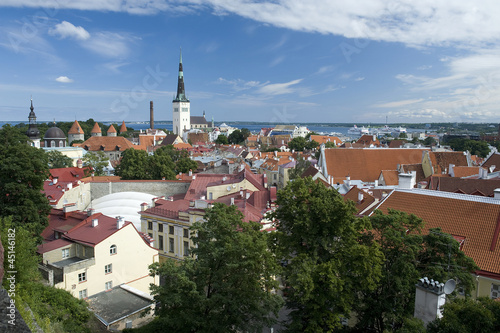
159	166
308	135
23	170
226	286
318	237
97	161
408	257
298	143
58	160
468	315
479	148
330	144
245	132
429	141
299	169
236	137
134	165
185	164
222	140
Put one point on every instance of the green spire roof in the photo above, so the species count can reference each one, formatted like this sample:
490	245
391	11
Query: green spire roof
181	93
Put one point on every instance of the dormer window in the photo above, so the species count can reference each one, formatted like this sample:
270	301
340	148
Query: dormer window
112	249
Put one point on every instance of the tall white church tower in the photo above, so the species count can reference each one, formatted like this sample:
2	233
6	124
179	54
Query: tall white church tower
181	119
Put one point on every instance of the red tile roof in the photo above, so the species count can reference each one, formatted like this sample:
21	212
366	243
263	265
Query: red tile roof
123	128
366	164
465	185
475	218
112	129
85	233
62	222
75	128
326	138
391	177
368	140
96	128
465	171
354	195
107	143
441	160
493	161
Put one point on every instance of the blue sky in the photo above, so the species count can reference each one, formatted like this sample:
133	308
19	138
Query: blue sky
252	60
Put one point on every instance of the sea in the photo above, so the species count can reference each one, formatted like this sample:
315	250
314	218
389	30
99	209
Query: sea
253	128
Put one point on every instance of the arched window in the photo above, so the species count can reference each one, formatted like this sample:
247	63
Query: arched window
52	143
61	143
112	249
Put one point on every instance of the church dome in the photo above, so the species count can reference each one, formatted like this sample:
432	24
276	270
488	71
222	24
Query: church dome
54	133
33	132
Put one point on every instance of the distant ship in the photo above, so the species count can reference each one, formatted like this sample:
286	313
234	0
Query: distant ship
355	130
386	130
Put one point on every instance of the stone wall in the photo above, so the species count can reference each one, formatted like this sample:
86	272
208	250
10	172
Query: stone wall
158	187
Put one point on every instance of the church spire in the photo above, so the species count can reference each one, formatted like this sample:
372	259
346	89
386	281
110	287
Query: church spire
181	93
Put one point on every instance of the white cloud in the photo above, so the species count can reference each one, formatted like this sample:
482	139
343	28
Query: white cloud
415	23
279	88
109	44
64	79
398	104
68	30
239	84
360	78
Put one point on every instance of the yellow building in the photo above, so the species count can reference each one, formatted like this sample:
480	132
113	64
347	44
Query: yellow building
86	255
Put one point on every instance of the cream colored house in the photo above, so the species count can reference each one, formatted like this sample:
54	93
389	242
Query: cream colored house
95	254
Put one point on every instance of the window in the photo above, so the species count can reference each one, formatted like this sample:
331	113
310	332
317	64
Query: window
171	229
82	293
160	242
186	233
150	234
186	249
108	285
150	225
112	249
176	109
495	291
160	227
82	277
171	244
108	269
65	253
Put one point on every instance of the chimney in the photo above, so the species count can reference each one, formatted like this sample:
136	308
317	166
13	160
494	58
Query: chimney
90	211
376	183
144	206
406	180
194	177
54	180
496	193
232	201
348	181
120	221
79	163
430	296
151	115
190	172
69	208
95	223
360	196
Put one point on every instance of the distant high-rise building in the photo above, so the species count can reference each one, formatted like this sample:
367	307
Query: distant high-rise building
181	120
33	133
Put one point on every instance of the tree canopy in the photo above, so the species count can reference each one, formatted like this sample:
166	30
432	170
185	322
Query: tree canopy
300	143
97	161
166	162
58	160
225	286
479	148
318	239
408	256
22	173
468	315
222	140
236	137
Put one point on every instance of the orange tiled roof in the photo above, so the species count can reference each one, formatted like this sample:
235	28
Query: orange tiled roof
354	195
107	143
366	164
182	145
492	161
465	171
112	129
325	138
408	168
96	128
391	177
123	128
441	160
368	139
75	128
475	218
